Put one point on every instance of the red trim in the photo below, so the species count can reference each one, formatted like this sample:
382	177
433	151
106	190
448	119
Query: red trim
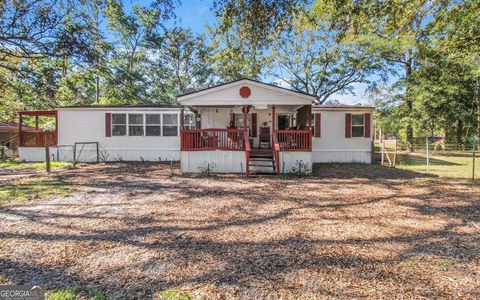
367	119
108	124
318	122
348	125
245	92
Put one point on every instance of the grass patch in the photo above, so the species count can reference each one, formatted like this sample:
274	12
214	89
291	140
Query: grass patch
450	165
174	295
64	294
71	293
36	166
26	189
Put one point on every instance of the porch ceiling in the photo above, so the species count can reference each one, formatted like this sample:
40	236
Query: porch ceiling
291	108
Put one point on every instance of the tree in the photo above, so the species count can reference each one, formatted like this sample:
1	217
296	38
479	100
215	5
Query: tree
395	30
313	59
31	30
180	62
457	36
245	32
127	80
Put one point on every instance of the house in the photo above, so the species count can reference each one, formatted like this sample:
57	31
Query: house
242	126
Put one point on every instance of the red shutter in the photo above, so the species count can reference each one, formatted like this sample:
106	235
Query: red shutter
318	121
348	125
254	125
108	124
367	117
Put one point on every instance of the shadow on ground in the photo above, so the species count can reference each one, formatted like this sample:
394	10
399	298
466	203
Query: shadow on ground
334	234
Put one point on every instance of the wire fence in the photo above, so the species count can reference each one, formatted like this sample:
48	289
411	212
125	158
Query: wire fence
436	158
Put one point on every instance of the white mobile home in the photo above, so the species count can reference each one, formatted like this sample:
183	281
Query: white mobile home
243	126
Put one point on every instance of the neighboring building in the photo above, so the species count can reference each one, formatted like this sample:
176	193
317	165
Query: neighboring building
239	127
9	134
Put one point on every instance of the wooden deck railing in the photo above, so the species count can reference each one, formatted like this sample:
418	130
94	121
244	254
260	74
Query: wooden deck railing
213	139
38	138
293	140
247	157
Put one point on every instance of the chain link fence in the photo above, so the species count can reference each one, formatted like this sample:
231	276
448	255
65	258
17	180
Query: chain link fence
433	157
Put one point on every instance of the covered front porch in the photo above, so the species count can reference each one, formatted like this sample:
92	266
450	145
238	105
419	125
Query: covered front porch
45	123
260	128
231	128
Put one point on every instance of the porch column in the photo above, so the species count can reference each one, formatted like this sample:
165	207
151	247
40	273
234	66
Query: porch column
273	117
182	118
245	115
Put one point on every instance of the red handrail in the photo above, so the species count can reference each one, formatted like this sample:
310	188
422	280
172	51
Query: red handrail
247	155
212	139
276	153
294	140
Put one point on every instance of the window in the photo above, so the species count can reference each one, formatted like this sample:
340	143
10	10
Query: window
135	124
119	124
189	121
358	126
240	122
170	124
152	125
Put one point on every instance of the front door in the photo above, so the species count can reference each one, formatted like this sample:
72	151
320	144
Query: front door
283	122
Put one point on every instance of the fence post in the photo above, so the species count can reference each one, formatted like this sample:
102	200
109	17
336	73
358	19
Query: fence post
395	154
47	158
474	144
383	152
428	161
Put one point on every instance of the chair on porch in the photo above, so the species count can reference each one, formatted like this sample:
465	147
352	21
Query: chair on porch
264	137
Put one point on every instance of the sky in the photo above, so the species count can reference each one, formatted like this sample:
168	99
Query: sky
197	14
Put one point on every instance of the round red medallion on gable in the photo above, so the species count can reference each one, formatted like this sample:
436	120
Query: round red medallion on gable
245	92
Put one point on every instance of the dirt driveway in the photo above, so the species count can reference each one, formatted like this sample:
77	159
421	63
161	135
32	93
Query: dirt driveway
132	230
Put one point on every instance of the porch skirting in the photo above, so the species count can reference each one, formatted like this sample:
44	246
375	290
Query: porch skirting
88	153
342	156
217	161
291	162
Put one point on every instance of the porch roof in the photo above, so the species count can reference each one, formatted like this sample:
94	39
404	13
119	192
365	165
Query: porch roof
258	93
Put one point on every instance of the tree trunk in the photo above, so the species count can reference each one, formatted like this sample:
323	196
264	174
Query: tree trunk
97	89
459	132
409	103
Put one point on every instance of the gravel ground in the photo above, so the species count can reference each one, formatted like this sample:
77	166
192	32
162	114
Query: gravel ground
351	231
